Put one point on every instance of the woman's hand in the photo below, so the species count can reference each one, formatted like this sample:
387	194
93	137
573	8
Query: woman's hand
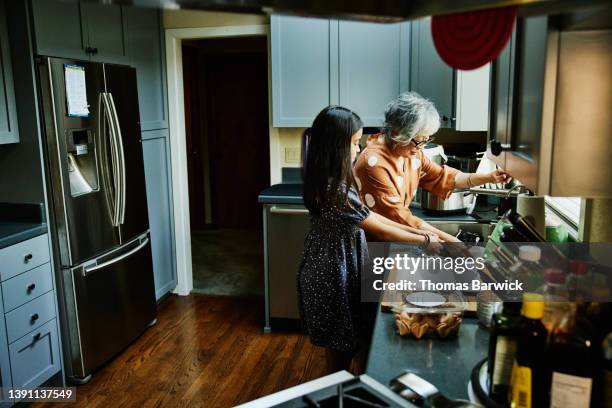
499	176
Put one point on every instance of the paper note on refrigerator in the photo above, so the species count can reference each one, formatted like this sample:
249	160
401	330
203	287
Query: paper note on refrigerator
76	91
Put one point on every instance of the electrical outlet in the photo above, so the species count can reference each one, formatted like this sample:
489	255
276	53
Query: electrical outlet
292	155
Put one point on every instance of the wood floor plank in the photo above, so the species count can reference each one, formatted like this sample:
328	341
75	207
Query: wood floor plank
204	351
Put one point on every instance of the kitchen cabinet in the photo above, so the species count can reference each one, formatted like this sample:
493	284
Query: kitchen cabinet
29	338
373	67
58	29
104	27
304	68
9	132
461	97
145	44
551	88
321	62
159	200
79	30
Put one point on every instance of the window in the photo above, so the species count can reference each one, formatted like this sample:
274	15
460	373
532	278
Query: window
567	208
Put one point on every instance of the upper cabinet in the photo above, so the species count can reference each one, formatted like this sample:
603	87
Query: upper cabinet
86	31
320	62
57	29
549	115
461	97
304	68
9	132
145	45
363	66
111	34
373	67
105	39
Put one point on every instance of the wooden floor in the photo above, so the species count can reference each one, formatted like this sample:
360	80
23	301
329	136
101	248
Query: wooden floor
205	351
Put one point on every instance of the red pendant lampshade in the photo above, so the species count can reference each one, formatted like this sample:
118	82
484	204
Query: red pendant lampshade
470	40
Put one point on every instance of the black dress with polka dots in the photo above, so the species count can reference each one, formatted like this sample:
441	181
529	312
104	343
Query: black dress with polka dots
335	254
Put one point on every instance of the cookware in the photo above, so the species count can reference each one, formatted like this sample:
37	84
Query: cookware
457	202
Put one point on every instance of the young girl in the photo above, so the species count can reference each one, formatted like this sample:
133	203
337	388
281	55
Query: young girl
335	249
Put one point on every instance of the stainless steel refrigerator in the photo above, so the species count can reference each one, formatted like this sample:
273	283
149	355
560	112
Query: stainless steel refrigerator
99	208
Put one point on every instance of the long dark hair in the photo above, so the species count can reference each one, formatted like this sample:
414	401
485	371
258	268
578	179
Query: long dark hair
328	171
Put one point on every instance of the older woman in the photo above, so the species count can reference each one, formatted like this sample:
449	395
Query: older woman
389	170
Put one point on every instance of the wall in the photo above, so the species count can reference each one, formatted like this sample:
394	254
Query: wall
279	138
195	19
21	177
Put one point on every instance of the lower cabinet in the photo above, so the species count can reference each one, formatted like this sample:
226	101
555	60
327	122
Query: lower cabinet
35	357
29	340
159	198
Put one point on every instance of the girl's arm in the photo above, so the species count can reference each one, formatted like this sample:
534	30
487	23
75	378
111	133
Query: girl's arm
386	230
405	227
441	234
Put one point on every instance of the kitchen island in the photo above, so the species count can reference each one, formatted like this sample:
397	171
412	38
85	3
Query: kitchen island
446	363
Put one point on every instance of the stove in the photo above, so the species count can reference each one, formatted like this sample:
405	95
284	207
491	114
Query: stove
340	389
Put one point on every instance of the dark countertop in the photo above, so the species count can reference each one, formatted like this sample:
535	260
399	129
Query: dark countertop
291	193
20	222
446	363
12	233
285	193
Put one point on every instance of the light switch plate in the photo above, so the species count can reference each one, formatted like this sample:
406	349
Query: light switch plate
292	155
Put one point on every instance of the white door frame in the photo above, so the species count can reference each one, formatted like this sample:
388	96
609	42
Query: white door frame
178	145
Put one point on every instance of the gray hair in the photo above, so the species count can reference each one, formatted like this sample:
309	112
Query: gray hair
409	115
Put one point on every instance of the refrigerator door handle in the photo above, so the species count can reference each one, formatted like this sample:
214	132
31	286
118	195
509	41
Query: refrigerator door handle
115	159
121	157
88	270
103	126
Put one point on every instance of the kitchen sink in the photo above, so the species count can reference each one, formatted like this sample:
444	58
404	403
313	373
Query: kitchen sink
482	229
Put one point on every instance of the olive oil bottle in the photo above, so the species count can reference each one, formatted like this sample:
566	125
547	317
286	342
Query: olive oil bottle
528	384
502	350
574	358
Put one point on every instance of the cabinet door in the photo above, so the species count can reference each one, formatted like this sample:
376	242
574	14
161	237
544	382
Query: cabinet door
429	75
145	46
105	32
304	68
9	133
58	29
159	199
502	84
373	66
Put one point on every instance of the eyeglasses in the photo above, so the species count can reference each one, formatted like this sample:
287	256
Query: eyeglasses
422	143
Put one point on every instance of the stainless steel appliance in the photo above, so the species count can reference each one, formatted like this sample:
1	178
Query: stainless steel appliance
340	389
458	201
99	209
285	229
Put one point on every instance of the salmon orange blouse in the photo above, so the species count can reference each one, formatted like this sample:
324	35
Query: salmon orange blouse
388	182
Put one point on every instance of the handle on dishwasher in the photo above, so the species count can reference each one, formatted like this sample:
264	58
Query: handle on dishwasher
288	211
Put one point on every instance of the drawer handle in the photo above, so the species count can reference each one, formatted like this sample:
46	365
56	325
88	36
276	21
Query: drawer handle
27	258
34	317
31	287
36	337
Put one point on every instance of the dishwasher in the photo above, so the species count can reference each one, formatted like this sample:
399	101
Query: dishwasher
285	229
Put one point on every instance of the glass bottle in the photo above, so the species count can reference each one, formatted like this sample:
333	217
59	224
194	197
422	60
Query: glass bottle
606	388
573	359
577	280
556	297
528	382
502	350
531	272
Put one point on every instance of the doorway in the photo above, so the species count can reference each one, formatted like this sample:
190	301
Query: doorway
228	160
